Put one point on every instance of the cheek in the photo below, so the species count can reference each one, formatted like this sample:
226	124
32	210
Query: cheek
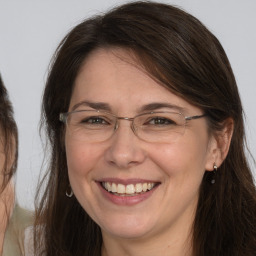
184	159
80	158
183	168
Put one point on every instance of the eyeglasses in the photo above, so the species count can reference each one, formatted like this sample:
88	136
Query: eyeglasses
98	126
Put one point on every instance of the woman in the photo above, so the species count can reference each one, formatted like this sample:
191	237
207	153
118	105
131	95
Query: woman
15	238
145	124
8	159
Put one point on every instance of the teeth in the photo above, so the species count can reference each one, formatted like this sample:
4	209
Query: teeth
138	187
120	189
108	187
113	188
128	189
145	187
150	186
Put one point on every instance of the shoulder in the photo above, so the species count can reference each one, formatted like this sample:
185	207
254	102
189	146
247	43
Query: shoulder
19	234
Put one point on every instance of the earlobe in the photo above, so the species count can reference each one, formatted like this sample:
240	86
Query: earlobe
219	145
213	153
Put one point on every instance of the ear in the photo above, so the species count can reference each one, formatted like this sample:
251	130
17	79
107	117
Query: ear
219	145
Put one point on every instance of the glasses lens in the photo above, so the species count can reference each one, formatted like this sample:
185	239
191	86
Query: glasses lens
86	125
163	127
96	126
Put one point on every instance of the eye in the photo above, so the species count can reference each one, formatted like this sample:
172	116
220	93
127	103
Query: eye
95	120
160	121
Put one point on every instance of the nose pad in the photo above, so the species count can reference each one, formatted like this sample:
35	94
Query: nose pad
125	148
131	124
116	126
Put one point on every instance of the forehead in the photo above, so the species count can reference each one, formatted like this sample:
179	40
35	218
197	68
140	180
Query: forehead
113	76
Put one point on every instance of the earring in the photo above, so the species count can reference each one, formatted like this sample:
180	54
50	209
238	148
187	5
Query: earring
215	168
70	192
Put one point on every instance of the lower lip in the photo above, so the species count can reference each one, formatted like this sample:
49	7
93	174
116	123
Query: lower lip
126	200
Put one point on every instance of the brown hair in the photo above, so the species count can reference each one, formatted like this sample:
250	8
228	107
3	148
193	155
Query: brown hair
9	136
178	51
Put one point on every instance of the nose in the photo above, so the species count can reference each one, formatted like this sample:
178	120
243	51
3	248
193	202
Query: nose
125	148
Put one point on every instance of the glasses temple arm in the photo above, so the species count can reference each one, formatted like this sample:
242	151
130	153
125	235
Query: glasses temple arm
194	117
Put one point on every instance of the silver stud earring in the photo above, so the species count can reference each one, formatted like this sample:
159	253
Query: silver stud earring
69	192
215	168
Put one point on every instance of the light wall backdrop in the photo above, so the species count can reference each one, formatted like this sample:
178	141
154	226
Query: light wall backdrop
30	30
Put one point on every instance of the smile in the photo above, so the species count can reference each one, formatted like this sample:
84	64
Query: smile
128	190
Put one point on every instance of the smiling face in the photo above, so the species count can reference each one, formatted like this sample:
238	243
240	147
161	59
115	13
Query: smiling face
166	175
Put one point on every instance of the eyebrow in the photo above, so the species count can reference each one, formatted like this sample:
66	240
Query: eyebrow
146	108
94	105
158	105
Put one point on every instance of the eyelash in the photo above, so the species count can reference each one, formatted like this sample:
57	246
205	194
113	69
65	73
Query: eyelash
169	122
89	120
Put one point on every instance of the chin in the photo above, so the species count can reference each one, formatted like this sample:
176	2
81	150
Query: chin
129	228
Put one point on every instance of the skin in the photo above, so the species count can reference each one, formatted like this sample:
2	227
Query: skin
160	224
6	200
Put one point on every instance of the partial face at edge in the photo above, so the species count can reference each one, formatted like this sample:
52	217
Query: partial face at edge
6	196
175	169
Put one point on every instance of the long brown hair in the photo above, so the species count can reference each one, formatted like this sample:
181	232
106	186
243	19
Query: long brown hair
179	52
9	137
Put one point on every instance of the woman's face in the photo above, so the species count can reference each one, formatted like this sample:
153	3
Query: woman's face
175	168
6	196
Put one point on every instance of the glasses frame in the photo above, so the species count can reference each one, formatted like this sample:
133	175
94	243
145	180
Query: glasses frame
64	116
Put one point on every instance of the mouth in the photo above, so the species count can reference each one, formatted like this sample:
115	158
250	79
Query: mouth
119	189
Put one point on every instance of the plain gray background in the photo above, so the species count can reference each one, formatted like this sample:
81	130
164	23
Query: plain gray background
31	30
